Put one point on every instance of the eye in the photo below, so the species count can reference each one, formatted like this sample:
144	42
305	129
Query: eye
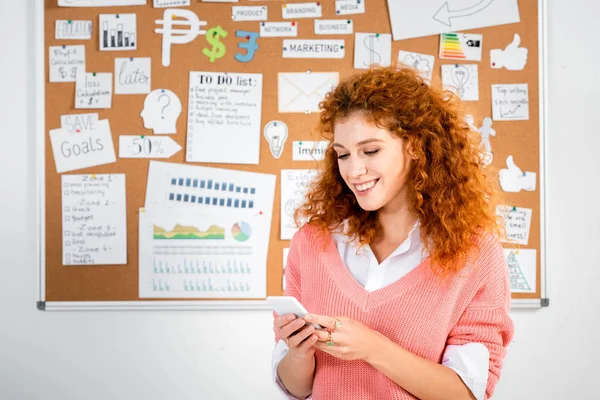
372	152
343	156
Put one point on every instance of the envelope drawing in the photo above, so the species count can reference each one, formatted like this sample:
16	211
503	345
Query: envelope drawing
300	92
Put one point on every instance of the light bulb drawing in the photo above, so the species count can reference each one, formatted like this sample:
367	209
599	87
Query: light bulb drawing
460	77
276	133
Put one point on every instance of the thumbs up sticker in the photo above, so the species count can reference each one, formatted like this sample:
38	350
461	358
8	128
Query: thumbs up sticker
513	179
513	57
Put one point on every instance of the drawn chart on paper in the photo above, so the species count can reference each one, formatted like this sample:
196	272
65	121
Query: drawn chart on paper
193	187
118	32
521	266
202	253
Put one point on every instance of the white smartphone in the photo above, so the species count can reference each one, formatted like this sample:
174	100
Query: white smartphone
283	305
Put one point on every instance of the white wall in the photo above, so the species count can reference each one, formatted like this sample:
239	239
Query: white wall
226	355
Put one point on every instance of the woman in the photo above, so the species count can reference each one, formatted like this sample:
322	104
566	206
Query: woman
399	258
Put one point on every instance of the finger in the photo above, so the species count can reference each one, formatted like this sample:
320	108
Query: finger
323	320
323	347
322	335
283	320
308	342
288	330
297	338
515	43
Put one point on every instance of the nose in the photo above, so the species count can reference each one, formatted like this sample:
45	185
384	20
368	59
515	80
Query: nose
357	168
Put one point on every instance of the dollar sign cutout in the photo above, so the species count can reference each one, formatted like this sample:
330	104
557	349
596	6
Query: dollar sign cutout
374	57
213	37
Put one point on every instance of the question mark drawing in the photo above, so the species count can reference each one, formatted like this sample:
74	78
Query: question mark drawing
161	110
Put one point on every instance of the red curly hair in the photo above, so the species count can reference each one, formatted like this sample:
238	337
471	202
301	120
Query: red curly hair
447	187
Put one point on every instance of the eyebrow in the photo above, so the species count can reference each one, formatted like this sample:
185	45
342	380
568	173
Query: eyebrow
359	143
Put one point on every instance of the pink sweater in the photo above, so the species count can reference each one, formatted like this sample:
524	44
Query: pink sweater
418	312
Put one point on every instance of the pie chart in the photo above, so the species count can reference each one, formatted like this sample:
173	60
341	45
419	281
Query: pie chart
241	231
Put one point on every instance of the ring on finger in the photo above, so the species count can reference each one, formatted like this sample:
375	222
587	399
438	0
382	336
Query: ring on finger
329	341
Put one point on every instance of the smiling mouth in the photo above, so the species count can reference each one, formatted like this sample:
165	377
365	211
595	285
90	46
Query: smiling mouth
366	186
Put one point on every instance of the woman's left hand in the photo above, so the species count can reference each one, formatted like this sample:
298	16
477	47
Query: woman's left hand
349	340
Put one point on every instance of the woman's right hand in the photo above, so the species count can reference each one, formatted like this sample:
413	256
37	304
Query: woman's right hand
297	334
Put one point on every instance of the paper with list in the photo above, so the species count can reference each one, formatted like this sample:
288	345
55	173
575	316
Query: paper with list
94	222
224	111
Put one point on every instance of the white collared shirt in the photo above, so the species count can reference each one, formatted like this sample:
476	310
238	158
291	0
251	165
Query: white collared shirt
470	361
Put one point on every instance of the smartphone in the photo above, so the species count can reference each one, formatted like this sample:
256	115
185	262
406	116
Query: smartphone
283	305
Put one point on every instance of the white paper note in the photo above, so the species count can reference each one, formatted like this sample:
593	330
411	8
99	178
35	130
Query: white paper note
308	150
278	29
76	123
276	133
416	18
93	90
171	3
132	75
301	92
224	108
301	10
347	7
66	62
522	269
249	13
461	46
94	220
333	26
510	102
81	150
161	110
372	48
462	79
423	63
190	187
99	3
513	57
294	185
202	253
513	179
117	32
517	222
135	146
302	48
70	29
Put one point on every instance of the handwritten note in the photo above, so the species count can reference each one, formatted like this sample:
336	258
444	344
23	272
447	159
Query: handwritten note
132	75
77	123
517	222
94	220
93	90
294	184
66	62
69	29
224	108
510	102
81	150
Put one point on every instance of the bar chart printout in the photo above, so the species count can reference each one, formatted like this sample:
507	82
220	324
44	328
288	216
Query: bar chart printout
118	32
202	253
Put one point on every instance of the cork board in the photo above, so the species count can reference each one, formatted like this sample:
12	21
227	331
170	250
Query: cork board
120	283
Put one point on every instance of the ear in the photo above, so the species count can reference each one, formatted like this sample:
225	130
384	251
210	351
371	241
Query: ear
410	151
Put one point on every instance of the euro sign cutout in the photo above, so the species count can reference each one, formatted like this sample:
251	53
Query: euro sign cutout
177	17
